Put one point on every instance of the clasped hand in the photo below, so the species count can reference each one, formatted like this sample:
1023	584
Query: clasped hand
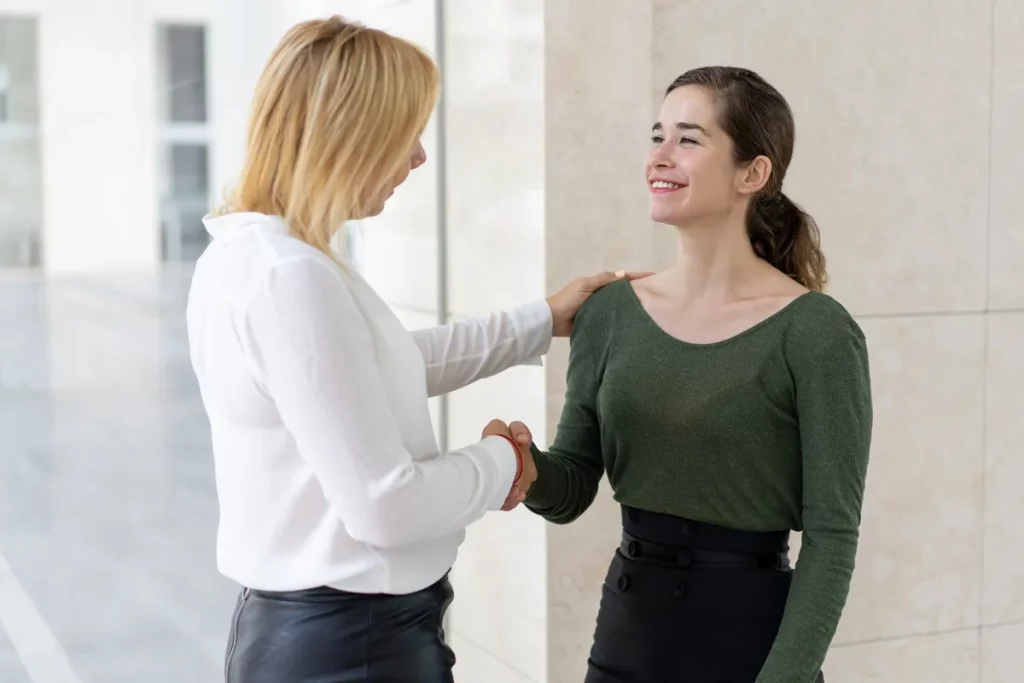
519	433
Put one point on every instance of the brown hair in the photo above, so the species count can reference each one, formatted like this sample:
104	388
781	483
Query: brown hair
760	123
336	114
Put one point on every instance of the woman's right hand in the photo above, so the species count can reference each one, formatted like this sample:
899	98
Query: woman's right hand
523	439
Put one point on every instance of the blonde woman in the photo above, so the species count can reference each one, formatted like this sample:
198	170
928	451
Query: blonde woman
338	515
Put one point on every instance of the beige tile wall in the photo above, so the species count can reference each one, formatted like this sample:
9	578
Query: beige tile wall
1003	559
1006	239
909	155
923	499
938	658
877	107
1002	654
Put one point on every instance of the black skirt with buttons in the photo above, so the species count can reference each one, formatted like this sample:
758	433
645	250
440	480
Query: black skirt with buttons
688	602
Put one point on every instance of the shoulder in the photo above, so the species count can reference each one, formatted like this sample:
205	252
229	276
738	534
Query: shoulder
280	263
819	323
281	280
604	307
821	318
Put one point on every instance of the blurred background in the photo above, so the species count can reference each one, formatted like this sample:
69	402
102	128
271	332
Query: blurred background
121	123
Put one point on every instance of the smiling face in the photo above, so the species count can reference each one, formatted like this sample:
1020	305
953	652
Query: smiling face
691	172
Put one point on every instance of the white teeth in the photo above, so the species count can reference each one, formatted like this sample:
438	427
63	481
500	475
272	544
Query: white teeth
665	185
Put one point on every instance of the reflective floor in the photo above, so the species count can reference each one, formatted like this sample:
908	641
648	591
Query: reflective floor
107	505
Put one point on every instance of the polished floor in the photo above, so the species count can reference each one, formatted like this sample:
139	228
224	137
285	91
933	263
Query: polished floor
107	505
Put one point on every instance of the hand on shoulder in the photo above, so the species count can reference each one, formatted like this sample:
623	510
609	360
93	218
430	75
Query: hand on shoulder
567	302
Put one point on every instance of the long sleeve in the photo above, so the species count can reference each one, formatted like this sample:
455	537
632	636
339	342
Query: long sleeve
568	475
833	399
463	352
315	353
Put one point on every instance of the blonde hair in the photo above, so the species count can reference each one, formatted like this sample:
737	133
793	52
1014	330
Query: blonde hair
336	115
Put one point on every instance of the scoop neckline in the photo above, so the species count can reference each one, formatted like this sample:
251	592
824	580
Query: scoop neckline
635	298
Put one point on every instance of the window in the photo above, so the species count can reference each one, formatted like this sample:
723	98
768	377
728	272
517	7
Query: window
185	136
21	203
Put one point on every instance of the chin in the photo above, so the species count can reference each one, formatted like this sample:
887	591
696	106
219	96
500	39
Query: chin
666	217
670	210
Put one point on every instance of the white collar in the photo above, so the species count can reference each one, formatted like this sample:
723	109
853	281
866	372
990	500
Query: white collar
220	226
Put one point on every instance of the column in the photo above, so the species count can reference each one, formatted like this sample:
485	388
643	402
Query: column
598	112
97	128
495	191
548	110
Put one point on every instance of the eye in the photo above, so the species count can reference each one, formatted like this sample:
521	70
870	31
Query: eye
687	141
657	139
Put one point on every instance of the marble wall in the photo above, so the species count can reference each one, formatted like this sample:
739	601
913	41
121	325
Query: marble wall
908	157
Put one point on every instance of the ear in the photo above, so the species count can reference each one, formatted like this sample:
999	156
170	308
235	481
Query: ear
752	177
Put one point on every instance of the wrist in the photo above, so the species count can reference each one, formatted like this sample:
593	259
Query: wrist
519	455
559	322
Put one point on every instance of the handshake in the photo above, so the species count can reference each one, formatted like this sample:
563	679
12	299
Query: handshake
523	439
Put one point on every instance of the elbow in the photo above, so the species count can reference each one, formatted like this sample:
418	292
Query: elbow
383	513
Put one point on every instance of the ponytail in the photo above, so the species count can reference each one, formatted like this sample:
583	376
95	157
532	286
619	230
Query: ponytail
786	237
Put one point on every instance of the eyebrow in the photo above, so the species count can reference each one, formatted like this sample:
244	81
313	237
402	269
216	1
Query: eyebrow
681	125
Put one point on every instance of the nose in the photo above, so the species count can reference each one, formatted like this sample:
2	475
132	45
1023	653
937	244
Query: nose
419	156
660	157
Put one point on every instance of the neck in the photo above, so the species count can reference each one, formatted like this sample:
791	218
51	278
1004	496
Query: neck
714	261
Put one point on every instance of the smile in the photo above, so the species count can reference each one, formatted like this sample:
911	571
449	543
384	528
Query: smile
664	186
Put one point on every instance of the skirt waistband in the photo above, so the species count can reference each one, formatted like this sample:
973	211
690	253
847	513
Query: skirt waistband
669	530
699	558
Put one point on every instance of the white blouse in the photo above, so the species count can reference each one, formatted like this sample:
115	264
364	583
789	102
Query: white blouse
327	466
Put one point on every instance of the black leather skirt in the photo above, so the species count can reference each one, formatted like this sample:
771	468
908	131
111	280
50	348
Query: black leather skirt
324	635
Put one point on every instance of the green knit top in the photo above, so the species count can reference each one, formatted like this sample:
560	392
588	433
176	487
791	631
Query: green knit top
766	430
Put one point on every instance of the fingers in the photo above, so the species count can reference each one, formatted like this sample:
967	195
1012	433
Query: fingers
529	474
495	427
515	497
521	433
596	282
